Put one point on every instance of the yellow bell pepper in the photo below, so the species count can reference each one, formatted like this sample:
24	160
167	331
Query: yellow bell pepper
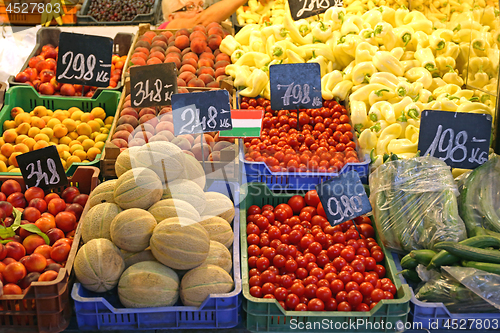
436	43
365	52
359	116
342	89
253	59
426	59
391	132
243	36
419	74
347	72
386	62
408	56
367	140
453	78
321	32
386	79
241	76
368	36
412	133
399	107
352	24
319	50
383	94
229	45
479	79
255	42
385	36
293	58
363	93
336	16
256	82
236	55
372	17
475	107
322	63
418	22
362	72
409	64
401	146
293	31
403	35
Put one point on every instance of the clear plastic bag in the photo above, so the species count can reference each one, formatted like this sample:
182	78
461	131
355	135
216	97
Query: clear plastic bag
479	201
415	204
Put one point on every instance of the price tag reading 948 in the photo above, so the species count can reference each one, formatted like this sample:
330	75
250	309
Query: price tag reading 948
295	86
343	198
461	140
153	85
84	59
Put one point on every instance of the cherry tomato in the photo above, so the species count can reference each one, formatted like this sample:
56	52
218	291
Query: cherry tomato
255	281
363	307
348	254
256	291
280	293
292	301
366	288
301	307
341	296
296	202
298	289
388	295
354	298
324	294
262	264
351	286
315	304
390	288
336	286
268	276
377	295
378	256
366	230
310	291
311	198
380	270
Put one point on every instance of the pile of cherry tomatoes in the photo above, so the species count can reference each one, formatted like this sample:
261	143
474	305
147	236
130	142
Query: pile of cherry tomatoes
296	257
310	140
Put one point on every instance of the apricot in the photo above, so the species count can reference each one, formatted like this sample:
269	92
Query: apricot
23	129
87	144
60	130
37	122
10	136
48	132
71	160
92	153
70	124
40	144
9	124
76	115
21	148
83	129
22	118
86	117
7	149
29	142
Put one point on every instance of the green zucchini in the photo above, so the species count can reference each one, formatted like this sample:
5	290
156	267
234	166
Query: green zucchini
444	258
423	257
410	275
408	262
487	267
470	253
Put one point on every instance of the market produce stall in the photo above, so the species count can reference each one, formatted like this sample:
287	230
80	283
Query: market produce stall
301	167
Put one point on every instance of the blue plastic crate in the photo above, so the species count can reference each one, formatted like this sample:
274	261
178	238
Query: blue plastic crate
103	312
436	317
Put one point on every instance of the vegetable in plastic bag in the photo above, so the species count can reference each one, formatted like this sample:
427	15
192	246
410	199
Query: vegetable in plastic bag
415	204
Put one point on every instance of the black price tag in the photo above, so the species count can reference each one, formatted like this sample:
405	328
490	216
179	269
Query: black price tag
84	59
460	139
201	112
153	85
295	86
42	168
343	198
305	8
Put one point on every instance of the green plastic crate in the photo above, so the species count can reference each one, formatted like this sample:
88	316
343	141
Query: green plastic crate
265	315
27	98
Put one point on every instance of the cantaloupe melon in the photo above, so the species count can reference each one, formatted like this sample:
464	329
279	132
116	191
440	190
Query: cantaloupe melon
187	190
180	243
124	161
164	158
138	188
99	265
194	171
219	205
219	255
168	208
218	229
102	193
148	284
131	258
202	281
131	229
96	222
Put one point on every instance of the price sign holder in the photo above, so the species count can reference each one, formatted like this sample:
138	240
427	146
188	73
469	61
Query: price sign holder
305	8
42	168
460	139
201	112
153	85
84	59
343	198
295	86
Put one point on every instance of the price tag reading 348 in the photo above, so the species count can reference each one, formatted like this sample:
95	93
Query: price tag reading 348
153	85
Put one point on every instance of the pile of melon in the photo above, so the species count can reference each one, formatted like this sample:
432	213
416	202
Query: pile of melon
155	234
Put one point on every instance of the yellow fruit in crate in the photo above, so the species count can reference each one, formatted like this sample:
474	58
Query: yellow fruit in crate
16	170
66	155
15	111
108	120
54	140
10	135
30	142
50	113
76	115
81	138
63	162
73	109
82	155
73	135
7	149
2	141
65	140
40	111
33	132
21	148
60	130
48	132
83	129
10	168
71	160
105	130
86	117
85	161
23	128
98	112
53	122
87	144
47	118
92	153
19	139
99	121
13	160
74	148
9	124
94	125
41	137
59	115
70	124
4	159
40	144
99	145
37	122
22	118
100	137
74	142
3	166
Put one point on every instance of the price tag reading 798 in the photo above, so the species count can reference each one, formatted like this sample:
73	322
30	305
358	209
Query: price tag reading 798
343	198
295	86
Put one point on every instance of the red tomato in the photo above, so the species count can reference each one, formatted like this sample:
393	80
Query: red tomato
366	288
310	291
380	270
296	202
280	293
336	286
344	306
315	304
320	210
354	298
366	230
256	292
312	198
324	294
377	295
287	209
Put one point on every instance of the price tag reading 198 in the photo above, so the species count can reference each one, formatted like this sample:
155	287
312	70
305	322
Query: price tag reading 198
153	92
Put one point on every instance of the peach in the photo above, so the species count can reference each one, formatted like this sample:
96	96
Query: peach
188	152
147	111
182	32
140	55
198	45
121	135
213	24
182	143
129	111
181	42
165	109
160	43
157	49
207	55
208	50
33	73
160	37
196	34
187	76
215	31
35	263
171	41
34	61
167	34
176	61
22	77
190	55
128	120
136	142
29	279
141	50
214	156
200	27
154	61
32	242
217	52
213	84
222	56
182	91
146	127
189	61
142	44
197	151
187	50
125	127
138	61
42	65
181	83
52	63
46	89
221	64
195	82
205	62
149	34
189	137
206	70
143	135
14	272
207	78
169	135
164	126
188	68
120	143
158	55
221	145
149	118
221	71
158	137
68	90
173	49
207	138
50	54
214	41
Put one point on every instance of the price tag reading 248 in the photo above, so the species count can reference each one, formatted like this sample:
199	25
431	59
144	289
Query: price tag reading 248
343	198
153	85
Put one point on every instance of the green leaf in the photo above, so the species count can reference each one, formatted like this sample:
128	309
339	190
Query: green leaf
6	232
35	230
5	241
17	219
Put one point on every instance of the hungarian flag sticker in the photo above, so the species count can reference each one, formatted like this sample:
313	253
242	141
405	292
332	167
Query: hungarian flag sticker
246	124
